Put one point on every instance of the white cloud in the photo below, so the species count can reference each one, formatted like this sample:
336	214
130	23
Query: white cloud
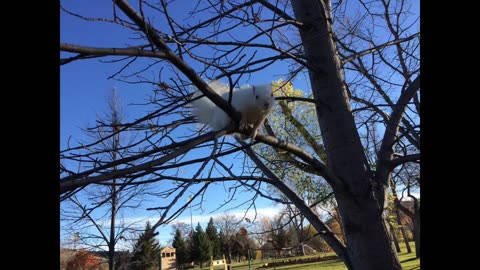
165	231
140	221
239	214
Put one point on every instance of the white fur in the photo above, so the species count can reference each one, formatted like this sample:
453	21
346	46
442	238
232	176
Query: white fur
254	103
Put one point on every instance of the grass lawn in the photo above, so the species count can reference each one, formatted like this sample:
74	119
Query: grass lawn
407	260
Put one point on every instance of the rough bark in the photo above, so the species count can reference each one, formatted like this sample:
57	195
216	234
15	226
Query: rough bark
416	229
361	200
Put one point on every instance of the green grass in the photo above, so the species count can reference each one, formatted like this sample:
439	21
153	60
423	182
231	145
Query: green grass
408	261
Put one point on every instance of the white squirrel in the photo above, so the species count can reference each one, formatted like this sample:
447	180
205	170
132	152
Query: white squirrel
254	103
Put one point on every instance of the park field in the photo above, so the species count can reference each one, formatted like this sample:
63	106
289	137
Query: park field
408	261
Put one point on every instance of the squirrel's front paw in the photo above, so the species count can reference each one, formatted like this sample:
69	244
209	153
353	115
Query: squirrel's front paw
253	135
240	136
242	125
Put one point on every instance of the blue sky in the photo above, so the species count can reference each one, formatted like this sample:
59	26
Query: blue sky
84	86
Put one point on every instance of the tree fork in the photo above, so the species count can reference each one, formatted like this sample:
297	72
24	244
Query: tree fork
369	245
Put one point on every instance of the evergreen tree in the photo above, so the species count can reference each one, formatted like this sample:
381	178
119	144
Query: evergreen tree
226	245
190	246
202	248
214	239
181	249
147	251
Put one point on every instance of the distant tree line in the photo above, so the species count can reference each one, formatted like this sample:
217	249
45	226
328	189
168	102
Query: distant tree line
200	245
228	237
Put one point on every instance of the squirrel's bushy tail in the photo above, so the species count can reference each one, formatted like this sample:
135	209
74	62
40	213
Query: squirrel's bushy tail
203	109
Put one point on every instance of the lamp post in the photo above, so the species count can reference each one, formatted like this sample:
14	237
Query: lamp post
191	219
160	260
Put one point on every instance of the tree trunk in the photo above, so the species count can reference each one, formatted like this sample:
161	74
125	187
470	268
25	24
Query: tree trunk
416	231
361	199
300	237
339	220
369	243
302	249
415	216
395	240
229	260
111	242
405	238
402	229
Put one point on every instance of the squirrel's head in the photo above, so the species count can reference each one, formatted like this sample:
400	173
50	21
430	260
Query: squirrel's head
263	95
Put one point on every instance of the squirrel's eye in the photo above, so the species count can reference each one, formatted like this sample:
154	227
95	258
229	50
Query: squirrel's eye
271	95
256	96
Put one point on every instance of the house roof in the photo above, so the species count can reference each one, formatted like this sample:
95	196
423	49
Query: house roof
168	249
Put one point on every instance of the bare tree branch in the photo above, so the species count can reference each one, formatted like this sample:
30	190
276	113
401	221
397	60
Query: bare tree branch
177	61
404	159
376	48
391	131
325	231
110	51
66	185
